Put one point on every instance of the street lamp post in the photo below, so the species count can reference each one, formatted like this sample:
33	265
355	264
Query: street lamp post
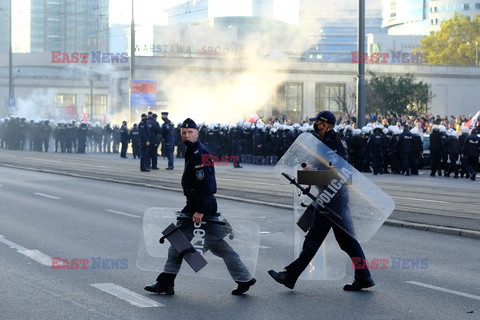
361	66
476	53
10	58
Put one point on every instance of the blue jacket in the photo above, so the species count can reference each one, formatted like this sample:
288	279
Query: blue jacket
198	180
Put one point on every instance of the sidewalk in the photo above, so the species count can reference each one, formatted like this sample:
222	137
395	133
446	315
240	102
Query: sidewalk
445	209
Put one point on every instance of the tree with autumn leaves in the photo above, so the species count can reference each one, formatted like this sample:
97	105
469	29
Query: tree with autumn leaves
457	42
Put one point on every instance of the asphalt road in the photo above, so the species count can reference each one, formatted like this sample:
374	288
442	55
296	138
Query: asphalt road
48	215
440	204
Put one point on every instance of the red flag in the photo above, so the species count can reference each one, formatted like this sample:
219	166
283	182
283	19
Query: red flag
84	117
470	124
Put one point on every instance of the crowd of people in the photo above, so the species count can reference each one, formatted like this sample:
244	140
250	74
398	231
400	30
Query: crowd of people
390	144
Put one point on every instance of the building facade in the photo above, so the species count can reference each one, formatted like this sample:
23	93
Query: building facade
69	26
214	89
422	17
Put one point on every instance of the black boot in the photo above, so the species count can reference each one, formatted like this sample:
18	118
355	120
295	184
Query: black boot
165	283
283	278
243	287
358	285
159	288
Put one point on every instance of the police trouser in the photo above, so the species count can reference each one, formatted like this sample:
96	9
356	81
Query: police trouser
453	164
314	238
435	158
153	150
215	243
471	164
407	161
377	162
144	157
169	154
136	149
123	151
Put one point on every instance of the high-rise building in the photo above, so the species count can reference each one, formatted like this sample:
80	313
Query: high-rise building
205	11
71	26
422	17
333	28
4	25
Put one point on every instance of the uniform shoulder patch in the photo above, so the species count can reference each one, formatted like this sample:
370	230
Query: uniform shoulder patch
200	174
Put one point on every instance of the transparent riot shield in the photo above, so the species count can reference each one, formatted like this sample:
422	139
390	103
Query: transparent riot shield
330	261
334	187
219	248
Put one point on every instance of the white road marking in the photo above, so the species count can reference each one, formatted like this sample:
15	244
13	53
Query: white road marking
265	232
417	199
40	159
436	201
46	195
127	295
32	254
458	293
87	165
123	213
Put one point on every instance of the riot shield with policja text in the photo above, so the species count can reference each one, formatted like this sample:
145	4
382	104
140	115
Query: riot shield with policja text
229	247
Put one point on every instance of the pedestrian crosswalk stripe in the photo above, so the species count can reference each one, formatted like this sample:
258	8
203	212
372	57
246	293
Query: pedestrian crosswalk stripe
127	295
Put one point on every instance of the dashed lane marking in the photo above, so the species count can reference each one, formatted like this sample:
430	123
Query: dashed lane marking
127	295
123	213
32	254
46	195
458	293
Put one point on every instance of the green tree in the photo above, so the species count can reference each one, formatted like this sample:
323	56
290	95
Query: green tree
454	44
397	94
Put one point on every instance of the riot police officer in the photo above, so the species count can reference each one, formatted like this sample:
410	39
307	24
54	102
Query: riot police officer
321	225
144	134
155	132
167	139
124	139
199	186
471	152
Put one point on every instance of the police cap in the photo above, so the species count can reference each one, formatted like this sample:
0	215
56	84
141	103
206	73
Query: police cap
325	116
189	123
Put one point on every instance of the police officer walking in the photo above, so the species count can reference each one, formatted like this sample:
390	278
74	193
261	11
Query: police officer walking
155	132
199	186
167	139
471	151
135	137
124	138
321	225
144	134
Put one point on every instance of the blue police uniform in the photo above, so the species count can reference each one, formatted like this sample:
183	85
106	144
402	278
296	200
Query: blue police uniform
124	138
144	133
155	131
199	186
168	141
198	180
471	151
321	225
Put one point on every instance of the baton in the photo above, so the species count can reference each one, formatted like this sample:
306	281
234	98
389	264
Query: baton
214	221
311	196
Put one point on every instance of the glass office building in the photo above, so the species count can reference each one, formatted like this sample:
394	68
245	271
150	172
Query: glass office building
422	17
71	26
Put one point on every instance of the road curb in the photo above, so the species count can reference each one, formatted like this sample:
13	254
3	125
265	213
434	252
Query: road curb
439	229
391	222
